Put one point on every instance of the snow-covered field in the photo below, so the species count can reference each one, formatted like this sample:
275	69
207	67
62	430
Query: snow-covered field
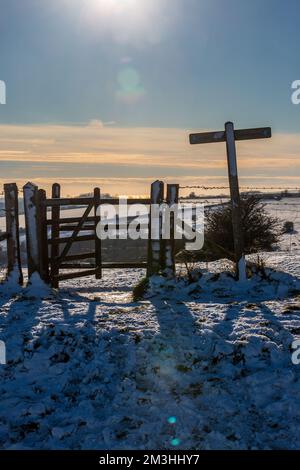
206	366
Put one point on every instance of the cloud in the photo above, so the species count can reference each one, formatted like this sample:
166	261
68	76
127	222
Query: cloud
96	123
87	152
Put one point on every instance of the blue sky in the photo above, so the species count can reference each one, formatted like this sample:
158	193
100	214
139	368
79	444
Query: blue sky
184	64
217	60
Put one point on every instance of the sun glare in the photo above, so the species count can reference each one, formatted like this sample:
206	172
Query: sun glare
117	7
132	21
117	4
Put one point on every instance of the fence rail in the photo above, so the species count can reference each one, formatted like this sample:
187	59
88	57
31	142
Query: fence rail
82	201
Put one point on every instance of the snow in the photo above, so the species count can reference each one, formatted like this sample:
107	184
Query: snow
205	365
37	289
10	286
89	369
242	270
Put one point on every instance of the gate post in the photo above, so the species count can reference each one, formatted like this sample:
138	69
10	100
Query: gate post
98	244
30	190
36	231
169	245
12	230
55	214
42	235
155	229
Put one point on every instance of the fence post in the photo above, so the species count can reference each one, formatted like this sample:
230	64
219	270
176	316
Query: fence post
172	201
55	214
98	245
30	191
42	235
155	229
12	230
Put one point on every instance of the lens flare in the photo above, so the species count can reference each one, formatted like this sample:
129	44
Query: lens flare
175	442
172	420
130	87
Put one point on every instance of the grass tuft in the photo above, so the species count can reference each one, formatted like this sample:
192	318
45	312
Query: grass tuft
140	289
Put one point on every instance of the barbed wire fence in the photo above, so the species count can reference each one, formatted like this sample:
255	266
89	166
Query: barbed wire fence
249	188
282	210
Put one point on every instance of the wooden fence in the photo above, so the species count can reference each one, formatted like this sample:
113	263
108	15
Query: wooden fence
48	253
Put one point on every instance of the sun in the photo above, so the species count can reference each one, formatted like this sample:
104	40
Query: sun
113	6
133	22
118	12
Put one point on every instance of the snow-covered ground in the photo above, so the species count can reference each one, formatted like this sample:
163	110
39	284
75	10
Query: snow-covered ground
206	366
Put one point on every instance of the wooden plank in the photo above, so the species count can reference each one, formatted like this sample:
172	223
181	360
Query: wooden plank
12	231
65	277
155	225
71	228
92	272
70	220
235	202
77	266
42	236
98	244
249	134
220	136
88	200
30	212
133	265
76	201
130	201
75	220
137	265
91	228
55	212
207	137
79	256
74	237
172	201
83	238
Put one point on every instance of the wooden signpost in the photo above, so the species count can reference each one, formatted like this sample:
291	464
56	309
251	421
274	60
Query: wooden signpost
230	135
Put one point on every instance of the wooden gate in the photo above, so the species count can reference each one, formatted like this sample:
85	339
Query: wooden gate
48	252
82	228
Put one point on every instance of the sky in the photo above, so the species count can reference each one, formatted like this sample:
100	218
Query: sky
105	92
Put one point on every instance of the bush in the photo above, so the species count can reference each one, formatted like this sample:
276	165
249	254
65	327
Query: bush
261	231
288	227
140	289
